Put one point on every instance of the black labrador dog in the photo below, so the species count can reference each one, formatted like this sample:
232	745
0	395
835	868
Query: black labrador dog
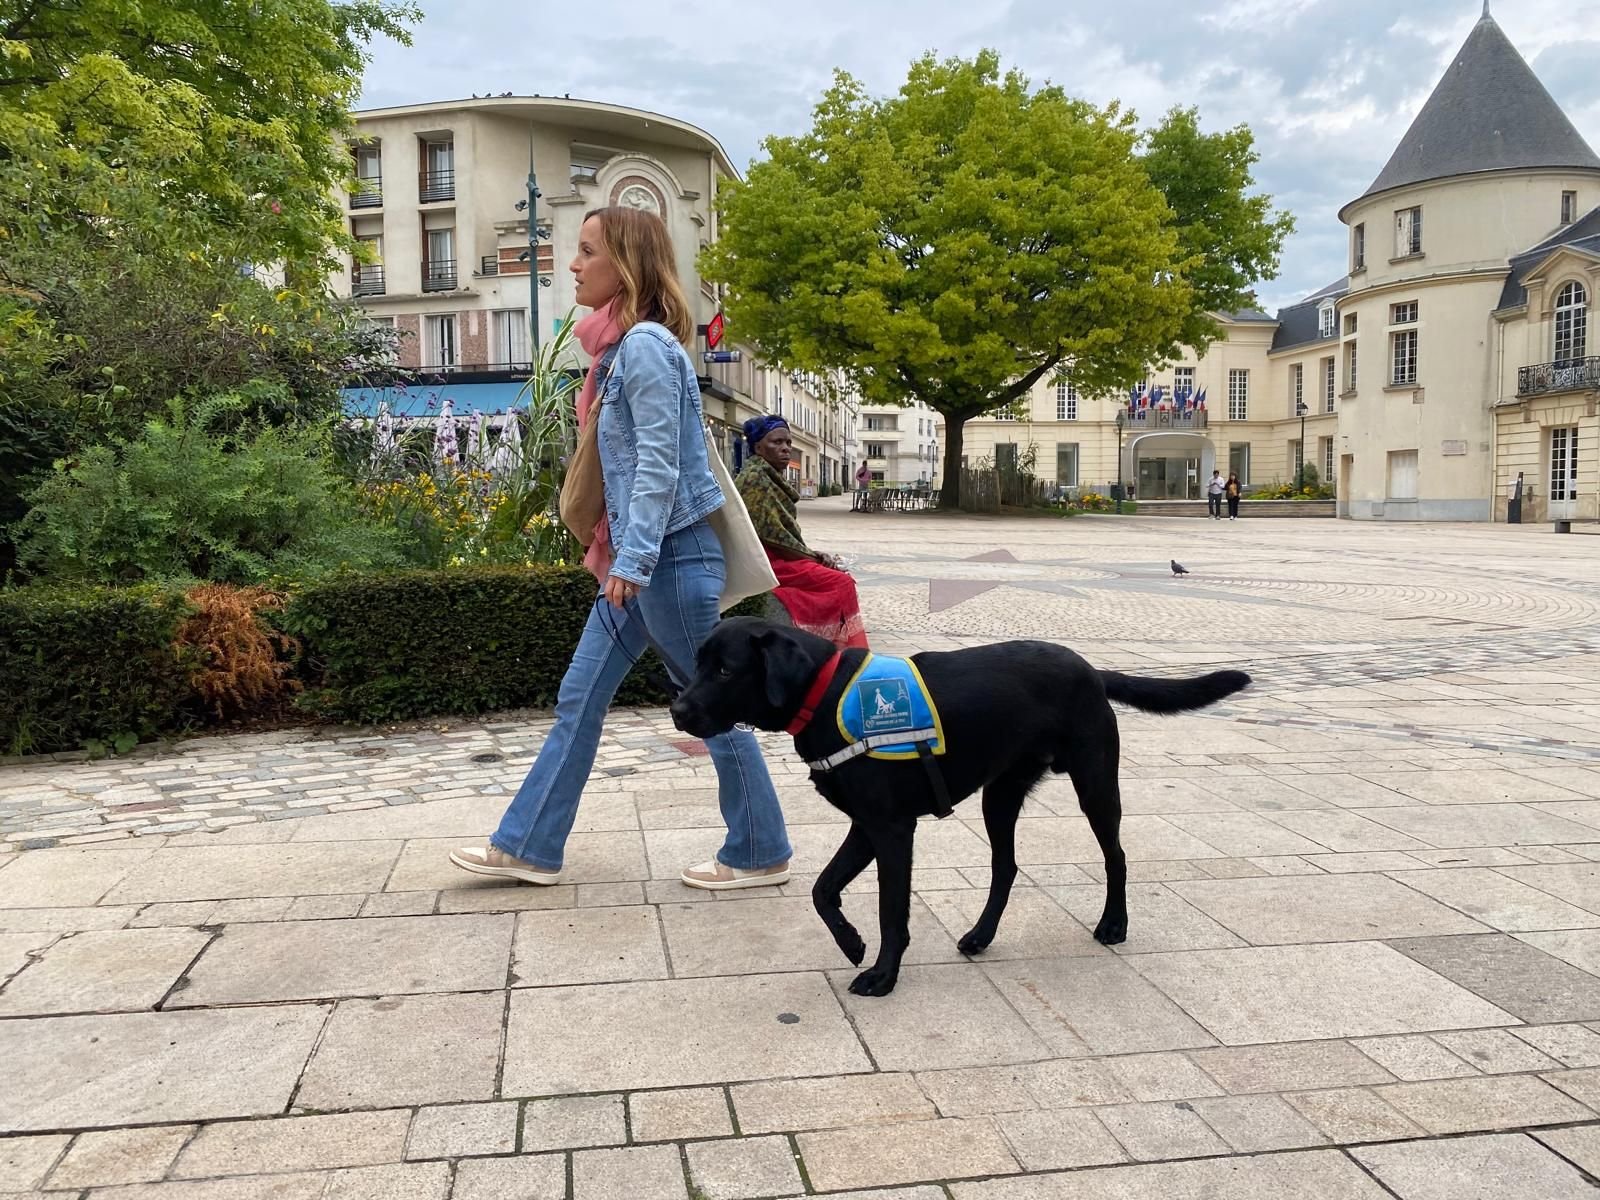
1010	712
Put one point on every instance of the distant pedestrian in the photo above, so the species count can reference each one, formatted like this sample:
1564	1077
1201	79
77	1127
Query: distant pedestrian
1214	491
1233	489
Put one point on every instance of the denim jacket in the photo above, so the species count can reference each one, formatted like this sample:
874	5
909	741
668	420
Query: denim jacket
652	449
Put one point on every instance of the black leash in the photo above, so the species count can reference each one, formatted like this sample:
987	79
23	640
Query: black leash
660	676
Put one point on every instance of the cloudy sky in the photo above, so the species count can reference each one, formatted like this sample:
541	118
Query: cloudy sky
1329	88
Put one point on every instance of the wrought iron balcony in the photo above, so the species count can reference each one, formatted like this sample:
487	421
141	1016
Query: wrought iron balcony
366	279
436	185
1164	418
439	275
368	193
1567	375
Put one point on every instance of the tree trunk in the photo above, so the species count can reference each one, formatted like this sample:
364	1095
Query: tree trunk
950	489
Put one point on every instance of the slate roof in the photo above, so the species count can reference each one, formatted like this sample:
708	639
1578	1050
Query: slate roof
1488	113
1582	234
1297	323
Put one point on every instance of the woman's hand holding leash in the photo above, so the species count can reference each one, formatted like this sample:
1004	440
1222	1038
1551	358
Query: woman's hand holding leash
619	591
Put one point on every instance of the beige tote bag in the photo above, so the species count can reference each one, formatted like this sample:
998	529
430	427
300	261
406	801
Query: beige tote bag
749	569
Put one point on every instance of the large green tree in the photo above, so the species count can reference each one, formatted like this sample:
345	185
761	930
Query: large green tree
959	241
232	107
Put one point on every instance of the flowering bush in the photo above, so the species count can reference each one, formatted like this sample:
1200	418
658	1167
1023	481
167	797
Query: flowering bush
466	501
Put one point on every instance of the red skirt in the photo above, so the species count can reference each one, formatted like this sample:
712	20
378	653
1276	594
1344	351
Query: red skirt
820	600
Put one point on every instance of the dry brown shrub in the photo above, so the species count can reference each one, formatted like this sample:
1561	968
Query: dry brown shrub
242	663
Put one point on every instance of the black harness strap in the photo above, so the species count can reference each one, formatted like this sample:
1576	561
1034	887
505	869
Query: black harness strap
942	807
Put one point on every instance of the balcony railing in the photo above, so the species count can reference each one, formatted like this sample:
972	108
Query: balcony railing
436	185
366	279
1568	375
1165	418
439	275
368	193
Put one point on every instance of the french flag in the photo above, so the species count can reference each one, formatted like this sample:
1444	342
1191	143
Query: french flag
1200	400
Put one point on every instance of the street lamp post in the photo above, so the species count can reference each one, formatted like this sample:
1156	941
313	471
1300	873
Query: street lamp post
530	206
1121	419
1300	481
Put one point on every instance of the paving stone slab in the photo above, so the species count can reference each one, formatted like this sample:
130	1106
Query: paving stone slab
637	1172
675	1033
1158	918
406	1050
941	1017
1348	1115
366	956
1447	826
769	935
1485	1102
25	1161
1100	1005
1259	1123
1580	1145
1499	902
679	1114
228	872
1305	1175
1161	1130
66	878
747	1168
587	945
1519	978
1056	1139
1321	908
1034	925
103	971
786	1105
1345	832
458	1130
1508	1166
1577	883
105	1157
1292	1066
569	1122
295	1144
1302	993
526	1177
424	864
148	1068
909	1153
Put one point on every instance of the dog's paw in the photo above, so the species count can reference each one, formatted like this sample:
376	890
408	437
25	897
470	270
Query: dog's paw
1112	930
874	981
973	943
852	945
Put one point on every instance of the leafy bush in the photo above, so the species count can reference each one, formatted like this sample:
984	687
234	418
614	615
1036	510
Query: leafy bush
187	500
409	644
90	666
107	667
239	664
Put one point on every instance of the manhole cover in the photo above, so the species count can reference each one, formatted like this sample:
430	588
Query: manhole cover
488	758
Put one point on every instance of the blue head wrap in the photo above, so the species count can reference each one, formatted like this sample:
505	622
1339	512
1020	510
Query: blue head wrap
757	428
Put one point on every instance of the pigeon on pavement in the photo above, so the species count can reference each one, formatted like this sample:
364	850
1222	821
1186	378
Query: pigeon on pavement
1178	568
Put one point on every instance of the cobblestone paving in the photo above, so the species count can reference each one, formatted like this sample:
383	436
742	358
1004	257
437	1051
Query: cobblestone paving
1364	958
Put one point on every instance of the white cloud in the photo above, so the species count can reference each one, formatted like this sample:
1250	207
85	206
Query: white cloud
1328	89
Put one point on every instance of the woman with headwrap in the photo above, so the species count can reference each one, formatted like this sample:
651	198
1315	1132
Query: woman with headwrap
817	595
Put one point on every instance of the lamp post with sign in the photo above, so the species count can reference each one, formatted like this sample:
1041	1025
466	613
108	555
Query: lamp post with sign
1301	409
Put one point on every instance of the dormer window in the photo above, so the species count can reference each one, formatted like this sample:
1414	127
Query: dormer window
1326	318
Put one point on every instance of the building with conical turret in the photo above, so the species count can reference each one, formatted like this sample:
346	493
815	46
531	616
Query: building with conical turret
1454	358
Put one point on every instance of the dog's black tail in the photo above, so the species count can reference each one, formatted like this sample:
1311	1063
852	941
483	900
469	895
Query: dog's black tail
1172	695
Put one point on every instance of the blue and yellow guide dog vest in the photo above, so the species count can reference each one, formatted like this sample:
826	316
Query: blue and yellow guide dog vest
887	712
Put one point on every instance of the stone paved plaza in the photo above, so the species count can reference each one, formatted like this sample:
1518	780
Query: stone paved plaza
1363	961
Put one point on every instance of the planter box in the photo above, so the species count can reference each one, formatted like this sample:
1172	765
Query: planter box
1247	509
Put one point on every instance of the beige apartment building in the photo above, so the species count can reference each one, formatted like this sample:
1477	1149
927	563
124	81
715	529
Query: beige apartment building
441	204
1453	357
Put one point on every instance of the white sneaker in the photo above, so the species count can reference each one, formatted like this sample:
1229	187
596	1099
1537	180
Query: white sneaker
717	876
490	860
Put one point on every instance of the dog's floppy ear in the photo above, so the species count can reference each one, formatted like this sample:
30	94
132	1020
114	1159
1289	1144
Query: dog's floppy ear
785	664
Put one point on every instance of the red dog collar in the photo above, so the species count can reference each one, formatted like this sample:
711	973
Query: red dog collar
808	706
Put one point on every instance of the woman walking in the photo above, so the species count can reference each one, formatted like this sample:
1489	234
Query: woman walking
1232	491
659	564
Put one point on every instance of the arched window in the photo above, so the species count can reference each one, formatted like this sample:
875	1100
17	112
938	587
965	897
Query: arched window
1572	320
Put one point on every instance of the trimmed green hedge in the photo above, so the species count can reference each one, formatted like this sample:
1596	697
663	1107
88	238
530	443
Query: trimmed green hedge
96	665
80	666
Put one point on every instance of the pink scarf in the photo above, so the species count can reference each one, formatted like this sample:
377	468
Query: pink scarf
597	333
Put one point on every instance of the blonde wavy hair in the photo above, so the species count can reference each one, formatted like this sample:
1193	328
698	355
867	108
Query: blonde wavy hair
638	243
